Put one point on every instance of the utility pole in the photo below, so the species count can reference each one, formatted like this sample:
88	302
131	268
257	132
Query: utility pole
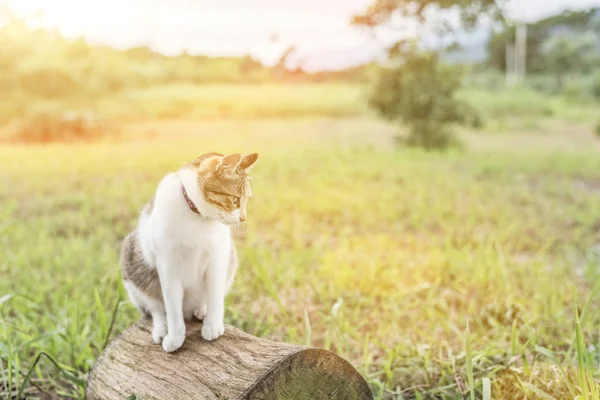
510	63
521	51
516	56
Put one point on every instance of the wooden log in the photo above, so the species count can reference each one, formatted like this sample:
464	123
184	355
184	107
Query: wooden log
235	366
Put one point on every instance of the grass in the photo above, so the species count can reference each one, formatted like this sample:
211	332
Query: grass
206	101
523	109
381	255
499	108
251	101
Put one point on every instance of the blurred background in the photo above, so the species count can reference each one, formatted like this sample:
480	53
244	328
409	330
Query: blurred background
427	201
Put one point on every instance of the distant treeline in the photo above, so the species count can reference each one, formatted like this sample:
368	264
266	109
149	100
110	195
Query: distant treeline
572	26
43	64
38	65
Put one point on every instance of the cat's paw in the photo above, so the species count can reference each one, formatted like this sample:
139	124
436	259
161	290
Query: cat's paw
212	330
172	342
159	331
200	312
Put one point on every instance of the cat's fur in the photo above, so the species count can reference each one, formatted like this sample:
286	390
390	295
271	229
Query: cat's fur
178	264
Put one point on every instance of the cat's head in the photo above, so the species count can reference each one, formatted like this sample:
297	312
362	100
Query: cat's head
225	184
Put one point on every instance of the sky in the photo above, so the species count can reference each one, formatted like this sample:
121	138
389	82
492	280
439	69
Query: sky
320	29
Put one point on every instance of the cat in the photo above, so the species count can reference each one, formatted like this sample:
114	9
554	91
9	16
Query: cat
180	261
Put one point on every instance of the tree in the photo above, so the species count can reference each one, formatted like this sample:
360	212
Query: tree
538	33
382	12
568	54
418	89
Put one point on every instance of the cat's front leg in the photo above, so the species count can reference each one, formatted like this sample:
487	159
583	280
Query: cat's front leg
215	285
172	289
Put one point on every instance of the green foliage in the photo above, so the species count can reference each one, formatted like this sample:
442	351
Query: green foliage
487	79
597	129
38	65
545	84
573	90
380	12
562	52
575	23
568	54
538	88
420	91
209	101
595	85
586	364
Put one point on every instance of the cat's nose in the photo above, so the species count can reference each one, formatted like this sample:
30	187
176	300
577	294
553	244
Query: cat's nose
242	218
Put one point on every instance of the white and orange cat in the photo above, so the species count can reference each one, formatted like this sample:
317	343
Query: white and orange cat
180	261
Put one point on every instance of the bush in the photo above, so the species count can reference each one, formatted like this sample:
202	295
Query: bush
597	131
595	86
543	84
68	126
420	91
574	90
486	80
429	135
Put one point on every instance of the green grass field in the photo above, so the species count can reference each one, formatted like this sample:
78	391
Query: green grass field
207	101
379	254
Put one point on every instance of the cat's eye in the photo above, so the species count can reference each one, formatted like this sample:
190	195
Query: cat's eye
236	201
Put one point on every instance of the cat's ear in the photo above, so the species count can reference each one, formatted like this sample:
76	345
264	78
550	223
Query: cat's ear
248	161
230	161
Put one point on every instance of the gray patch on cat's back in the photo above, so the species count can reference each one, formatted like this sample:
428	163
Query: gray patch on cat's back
136	270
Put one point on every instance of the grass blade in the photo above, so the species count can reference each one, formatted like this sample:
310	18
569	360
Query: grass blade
307	329
5	298
513	338
100	312
487	389
74	379
537	391
10	366
581	351
581	319
112	323
469	361
549	355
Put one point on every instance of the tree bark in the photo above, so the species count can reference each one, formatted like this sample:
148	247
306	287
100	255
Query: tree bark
235	366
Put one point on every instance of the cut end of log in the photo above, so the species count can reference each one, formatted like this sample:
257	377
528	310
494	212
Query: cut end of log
235	366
